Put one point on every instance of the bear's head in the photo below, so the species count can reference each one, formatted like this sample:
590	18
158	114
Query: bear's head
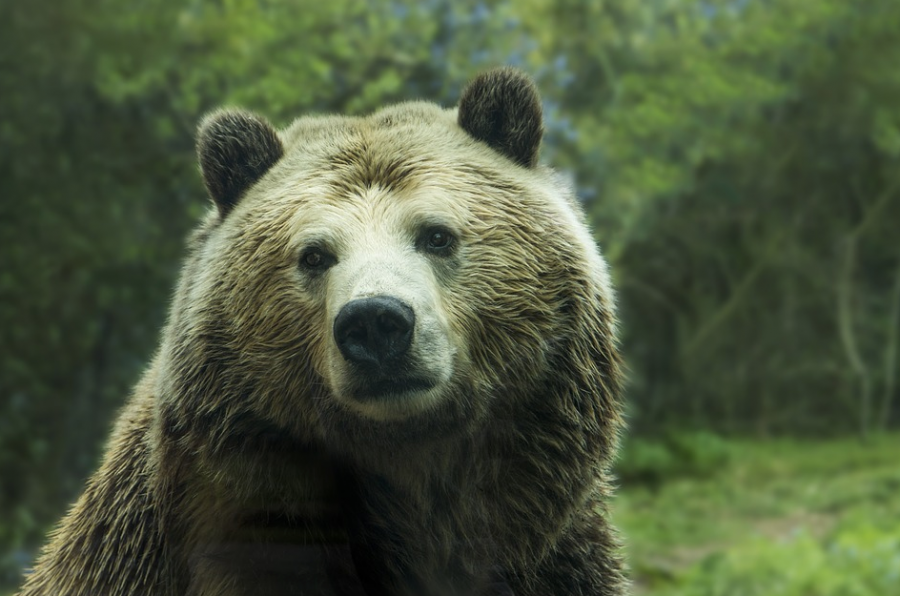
386	279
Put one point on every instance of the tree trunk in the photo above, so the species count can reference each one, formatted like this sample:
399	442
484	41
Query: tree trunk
848	333
890	353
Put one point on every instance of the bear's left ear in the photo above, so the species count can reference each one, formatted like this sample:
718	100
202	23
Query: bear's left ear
235	149
502	107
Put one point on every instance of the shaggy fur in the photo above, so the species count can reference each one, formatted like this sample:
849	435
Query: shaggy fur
251	460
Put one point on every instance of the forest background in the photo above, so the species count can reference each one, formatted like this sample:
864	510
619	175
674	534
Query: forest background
739	162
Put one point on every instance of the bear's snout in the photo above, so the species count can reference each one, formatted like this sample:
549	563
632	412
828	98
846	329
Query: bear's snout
390	346
374	333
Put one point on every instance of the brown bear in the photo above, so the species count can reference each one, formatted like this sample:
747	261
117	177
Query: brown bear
389	368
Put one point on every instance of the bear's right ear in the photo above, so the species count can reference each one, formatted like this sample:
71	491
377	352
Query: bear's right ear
235	149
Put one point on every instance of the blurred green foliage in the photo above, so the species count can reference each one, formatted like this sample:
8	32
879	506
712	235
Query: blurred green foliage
862	560
739	161
785	518
650	461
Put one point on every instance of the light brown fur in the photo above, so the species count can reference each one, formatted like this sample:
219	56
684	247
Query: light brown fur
242	466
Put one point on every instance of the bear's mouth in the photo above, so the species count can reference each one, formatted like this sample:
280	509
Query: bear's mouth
383	389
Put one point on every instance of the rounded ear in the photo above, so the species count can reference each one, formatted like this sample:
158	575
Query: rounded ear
235	149
502	108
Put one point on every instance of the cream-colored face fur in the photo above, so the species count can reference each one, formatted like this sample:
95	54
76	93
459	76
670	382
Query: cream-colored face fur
374	237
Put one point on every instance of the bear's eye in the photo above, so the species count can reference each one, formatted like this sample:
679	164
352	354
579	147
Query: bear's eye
438	241
316	259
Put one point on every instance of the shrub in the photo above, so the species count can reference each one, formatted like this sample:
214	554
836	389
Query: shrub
695	454
858	560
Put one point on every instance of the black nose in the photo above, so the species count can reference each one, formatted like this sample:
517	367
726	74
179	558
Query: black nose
374	332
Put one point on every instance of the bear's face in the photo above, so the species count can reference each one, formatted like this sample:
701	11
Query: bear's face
377	267
389	276
383	267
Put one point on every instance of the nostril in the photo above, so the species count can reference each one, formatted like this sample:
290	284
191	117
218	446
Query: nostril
389	324
356	332
374	331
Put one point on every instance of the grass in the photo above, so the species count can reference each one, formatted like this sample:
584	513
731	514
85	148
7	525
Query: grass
777	518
